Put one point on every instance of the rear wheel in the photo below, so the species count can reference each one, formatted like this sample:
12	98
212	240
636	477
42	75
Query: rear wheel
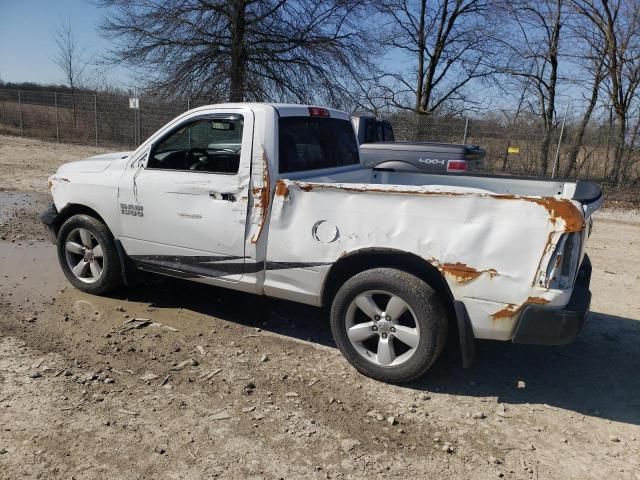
389	324
88	255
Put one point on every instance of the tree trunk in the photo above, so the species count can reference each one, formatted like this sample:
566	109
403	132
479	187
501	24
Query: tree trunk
506	156
434	59
74	110
574	149
572	156
548	117
421	47
608	157
544	151
619	151
238	51
553	78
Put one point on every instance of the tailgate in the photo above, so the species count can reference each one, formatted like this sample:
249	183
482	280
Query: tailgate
589	194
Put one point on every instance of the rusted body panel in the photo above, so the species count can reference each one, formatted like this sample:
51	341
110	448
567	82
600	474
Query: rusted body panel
489	247
261	193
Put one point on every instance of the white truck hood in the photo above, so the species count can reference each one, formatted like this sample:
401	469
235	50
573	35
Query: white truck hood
95	164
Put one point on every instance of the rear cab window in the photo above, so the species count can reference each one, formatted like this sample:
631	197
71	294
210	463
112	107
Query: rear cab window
377	131
313	143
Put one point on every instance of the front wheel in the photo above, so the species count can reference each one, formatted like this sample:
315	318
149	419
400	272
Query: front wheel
390	325
87	255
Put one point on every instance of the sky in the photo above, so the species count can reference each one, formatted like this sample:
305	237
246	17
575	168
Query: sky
27	44
27	40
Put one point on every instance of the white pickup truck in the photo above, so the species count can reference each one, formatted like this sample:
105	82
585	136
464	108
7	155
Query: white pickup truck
271	199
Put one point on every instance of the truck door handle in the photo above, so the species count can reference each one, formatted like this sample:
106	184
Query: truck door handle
229	197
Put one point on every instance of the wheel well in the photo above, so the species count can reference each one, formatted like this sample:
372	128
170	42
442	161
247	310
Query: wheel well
71	210
352	264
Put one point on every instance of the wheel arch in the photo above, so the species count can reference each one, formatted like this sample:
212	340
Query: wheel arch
129	273
72	209
365	259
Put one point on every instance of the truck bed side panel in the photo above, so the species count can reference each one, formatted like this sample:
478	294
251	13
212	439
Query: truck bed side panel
488	247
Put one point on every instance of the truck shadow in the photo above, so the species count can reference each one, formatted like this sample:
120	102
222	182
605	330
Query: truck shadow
597	375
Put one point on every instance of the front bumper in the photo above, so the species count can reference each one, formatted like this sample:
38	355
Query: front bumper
48	217
543	326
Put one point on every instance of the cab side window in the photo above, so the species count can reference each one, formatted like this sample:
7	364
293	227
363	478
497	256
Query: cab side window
371	133
205	145
388	132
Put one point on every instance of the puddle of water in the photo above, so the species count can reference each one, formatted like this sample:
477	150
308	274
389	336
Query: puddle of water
31	273
32	269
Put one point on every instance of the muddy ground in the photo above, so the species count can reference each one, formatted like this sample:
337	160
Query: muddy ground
227	385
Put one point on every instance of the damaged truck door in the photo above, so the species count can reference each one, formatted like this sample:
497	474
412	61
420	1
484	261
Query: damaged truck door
185	199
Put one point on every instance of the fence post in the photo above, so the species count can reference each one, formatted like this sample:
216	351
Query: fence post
55	101
555	161
139	141
95	115
135	120
189	131
135	123
20	112
466	129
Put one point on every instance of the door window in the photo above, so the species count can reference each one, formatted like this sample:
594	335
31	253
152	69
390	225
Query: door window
204	145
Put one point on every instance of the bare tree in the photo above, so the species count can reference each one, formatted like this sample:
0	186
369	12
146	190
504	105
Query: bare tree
512	123
578	138
589	58
367	94
450	43
615	27
534	58
241	49
68	58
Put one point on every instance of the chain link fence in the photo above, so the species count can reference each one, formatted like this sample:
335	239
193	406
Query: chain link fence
515	144
101	119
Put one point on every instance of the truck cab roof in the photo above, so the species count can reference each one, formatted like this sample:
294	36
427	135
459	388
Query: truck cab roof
284	109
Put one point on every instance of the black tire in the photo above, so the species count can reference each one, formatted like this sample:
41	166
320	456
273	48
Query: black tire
111	276
427	312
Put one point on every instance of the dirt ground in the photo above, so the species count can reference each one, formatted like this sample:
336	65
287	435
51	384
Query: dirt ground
227	385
